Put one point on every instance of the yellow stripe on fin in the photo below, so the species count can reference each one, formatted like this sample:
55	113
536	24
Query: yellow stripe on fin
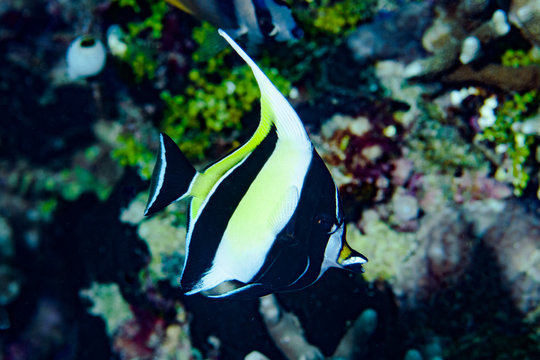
275	110
182	6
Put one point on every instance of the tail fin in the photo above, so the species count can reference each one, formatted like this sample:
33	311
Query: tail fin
172	176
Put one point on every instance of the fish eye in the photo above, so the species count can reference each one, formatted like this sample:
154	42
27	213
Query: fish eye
326	224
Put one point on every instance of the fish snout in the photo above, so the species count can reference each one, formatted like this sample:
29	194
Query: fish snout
350	259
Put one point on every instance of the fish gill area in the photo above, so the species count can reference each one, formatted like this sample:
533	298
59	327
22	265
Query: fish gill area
426	113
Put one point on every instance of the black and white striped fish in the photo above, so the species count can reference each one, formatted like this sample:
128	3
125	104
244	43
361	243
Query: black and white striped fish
267	216
259	20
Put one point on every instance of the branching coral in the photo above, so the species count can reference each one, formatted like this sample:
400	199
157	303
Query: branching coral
457	40
286	331
525	14
449	42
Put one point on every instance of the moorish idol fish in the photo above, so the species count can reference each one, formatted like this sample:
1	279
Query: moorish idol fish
258	19
267	216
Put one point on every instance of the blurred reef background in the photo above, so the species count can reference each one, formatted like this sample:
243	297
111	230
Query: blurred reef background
427	113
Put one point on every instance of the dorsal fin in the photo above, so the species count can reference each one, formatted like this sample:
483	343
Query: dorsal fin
186	6
219	13
274	107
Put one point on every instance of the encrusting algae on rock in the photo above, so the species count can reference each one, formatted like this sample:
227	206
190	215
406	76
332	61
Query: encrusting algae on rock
164	235
109	304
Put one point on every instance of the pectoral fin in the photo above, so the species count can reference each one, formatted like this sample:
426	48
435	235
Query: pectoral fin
284	210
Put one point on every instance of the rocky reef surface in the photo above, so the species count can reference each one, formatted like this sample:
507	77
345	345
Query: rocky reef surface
427	114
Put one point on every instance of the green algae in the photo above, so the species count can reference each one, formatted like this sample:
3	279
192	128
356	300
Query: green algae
214	101
141	37
131	152
336	18
438	147
506	133
152	23
206	108
90	171
518	58
128	3
109	304
68	183
78	180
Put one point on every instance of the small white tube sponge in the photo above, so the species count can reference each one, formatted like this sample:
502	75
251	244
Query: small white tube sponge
469	49
85	57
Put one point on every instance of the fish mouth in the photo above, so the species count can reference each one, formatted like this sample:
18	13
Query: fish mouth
350	259
354	263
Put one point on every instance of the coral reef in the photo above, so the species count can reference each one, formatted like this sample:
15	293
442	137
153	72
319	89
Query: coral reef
425	112
497	124
416	265
359	150
137	333
164	235
519	260
396	36
457	37
524	14
286	332
449	42
108	303
513	133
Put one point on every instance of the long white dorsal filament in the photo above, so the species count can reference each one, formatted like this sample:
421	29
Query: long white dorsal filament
273	103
